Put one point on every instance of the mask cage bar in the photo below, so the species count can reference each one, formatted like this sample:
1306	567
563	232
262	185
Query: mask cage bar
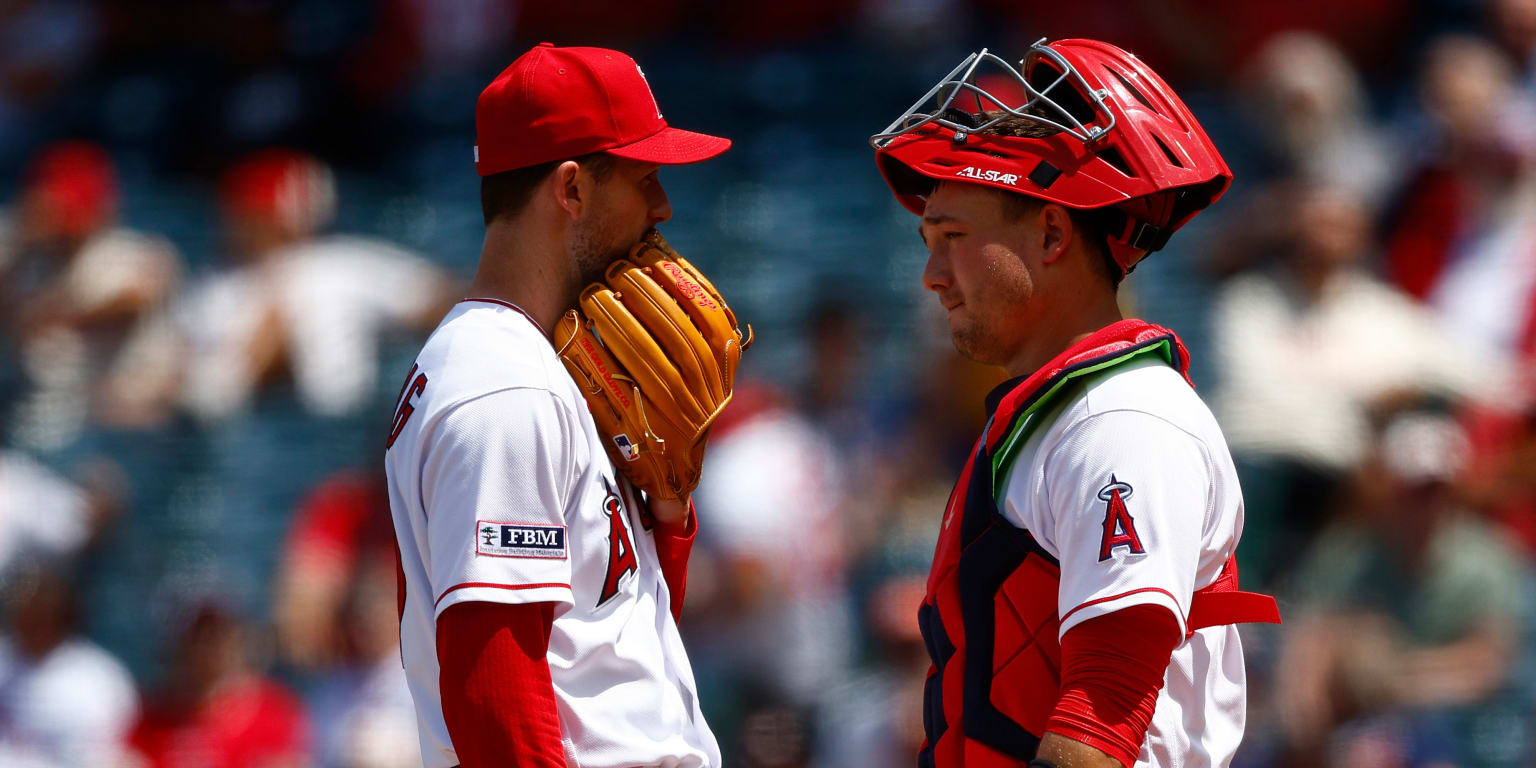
914	118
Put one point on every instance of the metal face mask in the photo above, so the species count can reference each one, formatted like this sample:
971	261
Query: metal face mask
1080	123
964	85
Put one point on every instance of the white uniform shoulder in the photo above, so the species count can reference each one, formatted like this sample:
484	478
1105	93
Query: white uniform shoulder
482	347
1131	487
1150	387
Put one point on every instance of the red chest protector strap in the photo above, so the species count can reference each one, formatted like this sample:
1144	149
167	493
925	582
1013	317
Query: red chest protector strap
1223	603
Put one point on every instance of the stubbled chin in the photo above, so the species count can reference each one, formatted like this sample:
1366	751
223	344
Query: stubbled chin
963	335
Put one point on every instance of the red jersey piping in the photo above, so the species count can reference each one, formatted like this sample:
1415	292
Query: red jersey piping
1096	601
488	585
509	305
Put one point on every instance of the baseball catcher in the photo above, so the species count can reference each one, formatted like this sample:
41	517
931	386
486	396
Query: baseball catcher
1083	592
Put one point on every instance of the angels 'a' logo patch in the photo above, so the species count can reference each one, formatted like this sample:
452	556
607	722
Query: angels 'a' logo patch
621	547
1119	528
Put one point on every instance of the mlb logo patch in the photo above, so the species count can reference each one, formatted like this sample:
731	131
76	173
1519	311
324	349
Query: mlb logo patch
545	542
627	449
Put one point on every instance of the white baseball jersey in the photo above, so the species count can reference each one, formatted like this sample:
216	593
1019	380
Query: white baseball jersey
1132	490
501	492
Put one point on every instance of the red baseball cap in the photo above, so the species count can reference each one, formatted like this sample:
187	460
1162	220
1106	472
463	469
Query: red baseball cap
292	189
558	103
77	185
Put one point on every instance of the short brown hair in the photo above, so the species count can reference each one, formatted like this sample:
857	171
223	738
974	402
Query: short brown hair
1091	225
505	194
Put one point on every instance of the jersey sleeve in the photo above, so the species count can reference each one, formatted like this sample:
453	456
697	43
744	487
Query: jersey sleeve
495	485
1127	497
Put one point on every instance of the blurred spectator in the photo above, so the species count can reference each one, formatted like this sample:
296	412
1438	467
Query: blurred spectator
87	301
416	37
42	44
1502	478
834	394
775	500
1463	235
772	501
1308	343
41	513
341	534
773	734
64	702
1305	347
296	307
1513	24
1407	610
875	720
337	621
1202	41
215	710
362	710
1313	116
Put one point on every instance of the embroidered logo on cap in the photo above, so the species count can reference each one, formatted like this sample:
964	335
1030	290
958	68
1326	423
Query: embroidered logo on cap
517	540
648	90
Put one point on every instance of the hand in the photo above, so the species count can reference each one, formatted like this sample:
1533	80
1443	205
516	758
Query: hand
671	512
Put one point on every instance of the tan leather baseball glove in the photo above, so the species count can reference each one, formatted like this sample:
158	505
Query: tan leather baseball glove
655	351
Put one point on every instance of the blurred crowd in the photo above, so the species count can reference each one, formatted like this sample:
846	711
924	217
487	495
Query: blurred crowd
227	227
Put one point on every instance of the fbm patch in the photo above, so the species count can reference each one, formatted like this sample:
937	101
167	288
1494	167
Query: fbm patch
517	540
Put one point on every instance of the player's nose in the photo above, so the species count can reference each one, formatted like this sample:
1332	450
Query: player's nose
936	274
660	206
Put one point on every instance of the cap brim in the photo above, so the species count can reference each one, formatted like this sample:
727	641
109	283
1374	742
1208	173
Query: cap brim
673	146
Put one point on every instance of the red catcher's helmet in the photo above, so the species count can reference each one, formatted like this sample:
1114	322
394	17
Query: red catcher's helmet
1125	143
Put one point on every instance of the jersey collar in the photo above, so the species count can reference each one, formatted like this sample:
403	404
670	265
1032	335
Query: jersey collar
508	305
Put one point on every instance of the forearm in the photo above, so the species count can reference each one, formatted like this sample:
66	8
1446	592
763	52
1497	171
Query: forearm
1112	668
1063	752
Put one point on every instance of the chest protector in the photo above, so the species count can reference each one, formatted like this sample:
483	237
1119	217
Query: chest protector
989	618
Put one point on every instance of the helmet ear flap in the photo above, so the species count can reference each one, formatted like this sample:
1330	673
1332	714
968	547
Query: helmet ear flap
1144	224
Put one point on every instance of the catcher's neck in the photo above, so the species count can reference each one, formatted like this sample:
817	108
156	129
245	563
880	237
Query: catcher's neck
1074	318
519	266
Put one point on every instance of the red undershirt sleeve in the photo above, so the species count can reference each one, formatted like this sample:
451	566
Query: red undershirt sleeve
498	700
673	546
1112	668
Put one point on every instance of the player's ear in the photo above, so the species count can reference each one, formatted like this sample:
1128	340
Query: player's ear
1055	231
564	185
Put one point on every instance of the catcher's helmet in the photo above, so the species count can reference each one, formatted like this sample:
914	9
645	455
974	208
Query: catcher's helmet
1122	141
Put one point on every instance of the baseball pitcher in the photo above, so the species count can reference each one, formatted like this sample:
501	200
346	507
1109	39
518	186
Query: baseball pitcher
546	441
